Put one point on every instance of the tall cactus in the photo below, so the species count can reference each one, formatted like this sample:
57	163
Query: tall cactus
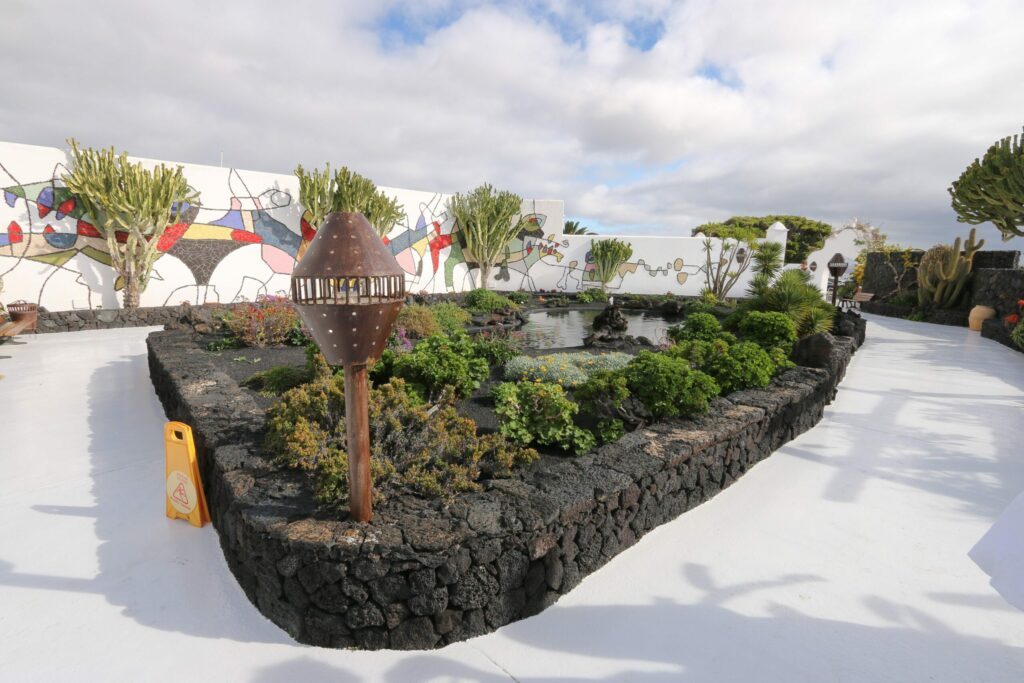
992	188
944	271
131	207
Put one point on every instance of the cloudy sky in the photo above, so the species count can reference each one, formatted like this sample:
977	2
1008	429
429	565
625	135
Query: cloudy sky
645	116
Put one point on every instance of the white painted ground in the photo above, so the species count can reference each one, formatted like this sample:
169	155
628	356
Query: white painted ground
843	557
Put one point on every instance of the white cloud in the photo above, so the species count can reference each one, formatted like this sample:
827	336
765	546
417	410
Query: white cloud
823	109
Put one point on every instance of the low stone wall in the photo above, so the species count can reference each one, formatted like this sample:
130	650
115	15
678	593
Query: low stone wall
954	317
997	330
422	575
999	288
103	319
886	273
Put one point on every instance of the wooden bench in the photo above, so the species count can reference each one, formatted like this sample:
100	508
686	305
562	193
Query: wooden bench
857	299
12	329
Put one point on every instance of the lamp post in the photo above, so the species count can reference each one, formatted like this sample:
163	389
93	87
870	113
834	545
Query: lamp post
837	265
348	289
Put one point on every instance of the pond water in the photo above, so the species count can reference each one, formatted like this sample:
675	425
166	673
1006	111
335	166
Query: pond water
557	329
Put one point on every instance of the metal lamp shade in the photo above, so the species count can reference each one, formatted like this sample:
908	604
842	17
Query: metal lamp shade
348	289
837	265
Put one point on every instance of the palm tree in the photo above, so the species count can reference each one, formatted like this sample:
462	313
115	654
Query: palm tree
574	228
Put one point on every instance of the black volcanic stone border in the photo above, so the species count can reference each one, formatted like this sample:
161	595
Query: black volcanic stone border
421	576
183	316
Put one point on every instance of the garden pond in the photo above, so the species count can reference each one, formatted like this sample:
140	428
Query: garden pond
561	328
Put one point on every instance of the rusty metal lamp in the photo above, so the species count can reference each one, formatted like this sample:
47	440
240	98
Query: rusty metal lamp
348	289
837	265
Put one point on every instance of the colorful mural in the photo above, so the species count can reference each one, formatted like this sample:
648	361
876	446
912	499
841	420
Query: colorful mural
241	240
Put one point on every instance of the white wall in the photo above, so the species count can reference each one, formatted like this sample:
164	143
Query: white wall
242	239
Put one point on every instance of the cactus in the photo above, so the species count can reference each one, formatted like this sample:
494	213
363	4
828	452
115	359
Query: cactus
944	271
609	255
321	193
992	188
131	207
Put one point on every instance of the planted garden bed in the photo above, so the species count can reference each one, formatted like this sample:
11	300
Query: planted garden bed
431	570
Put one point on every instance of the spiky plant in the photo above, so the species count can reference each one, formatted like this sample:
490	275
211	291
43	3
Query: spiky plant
323	193
767	265
722	269
608	255
992	188
944	271
487	222
130	206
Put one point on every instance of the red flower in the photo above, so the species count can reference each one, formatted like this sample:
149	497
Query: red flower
1012	319
1020	303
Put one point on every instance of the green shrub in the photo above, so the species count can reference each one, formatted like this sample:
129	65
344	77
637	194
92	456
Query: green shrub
430	450
536	412
589	296
277	380
518	298
780	359
498	345
769	330
744	366
604	395
609	430
697	352
440	361
418	321
568	370
451	317
696	326
668	386
485	301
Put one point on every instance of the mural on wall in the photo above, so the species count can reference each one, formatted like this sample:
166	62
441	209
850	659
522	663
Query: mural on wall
242	238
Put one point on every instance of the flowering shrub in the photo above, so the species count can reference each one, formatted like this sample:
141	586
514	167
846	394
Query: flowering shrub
1017	327
536	412
568	370
270	321
438	362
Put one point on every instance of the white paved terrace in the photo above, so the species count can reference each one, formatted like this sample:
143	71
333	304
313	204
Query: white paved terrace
843	557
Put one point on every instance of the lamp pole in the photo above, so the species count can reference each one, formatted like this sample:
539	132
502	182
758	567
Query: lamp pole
348	289
837	265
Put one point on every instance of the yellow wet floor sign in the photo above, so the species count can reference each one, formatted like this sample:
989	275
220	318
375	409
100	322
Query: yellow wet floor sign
185	497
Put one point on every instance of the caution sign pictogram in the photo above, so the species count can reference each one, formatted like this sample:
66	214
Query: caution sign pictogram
184	489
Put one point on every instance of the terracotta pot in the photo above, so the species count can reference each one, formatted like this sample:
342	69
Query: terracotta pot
980	314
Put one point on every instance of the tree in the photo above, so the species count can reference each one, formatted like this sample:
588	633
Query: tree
722	270
321	194
130	206
992	189
485	217
574	228
608	255
805	234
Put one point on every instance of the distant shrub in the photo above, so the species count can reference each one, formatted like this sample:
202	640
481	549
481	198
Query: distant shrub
269	321
696	326
451	317
418	321
541	413
518	298
485	301
668	386
589	296
568	370
769	330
